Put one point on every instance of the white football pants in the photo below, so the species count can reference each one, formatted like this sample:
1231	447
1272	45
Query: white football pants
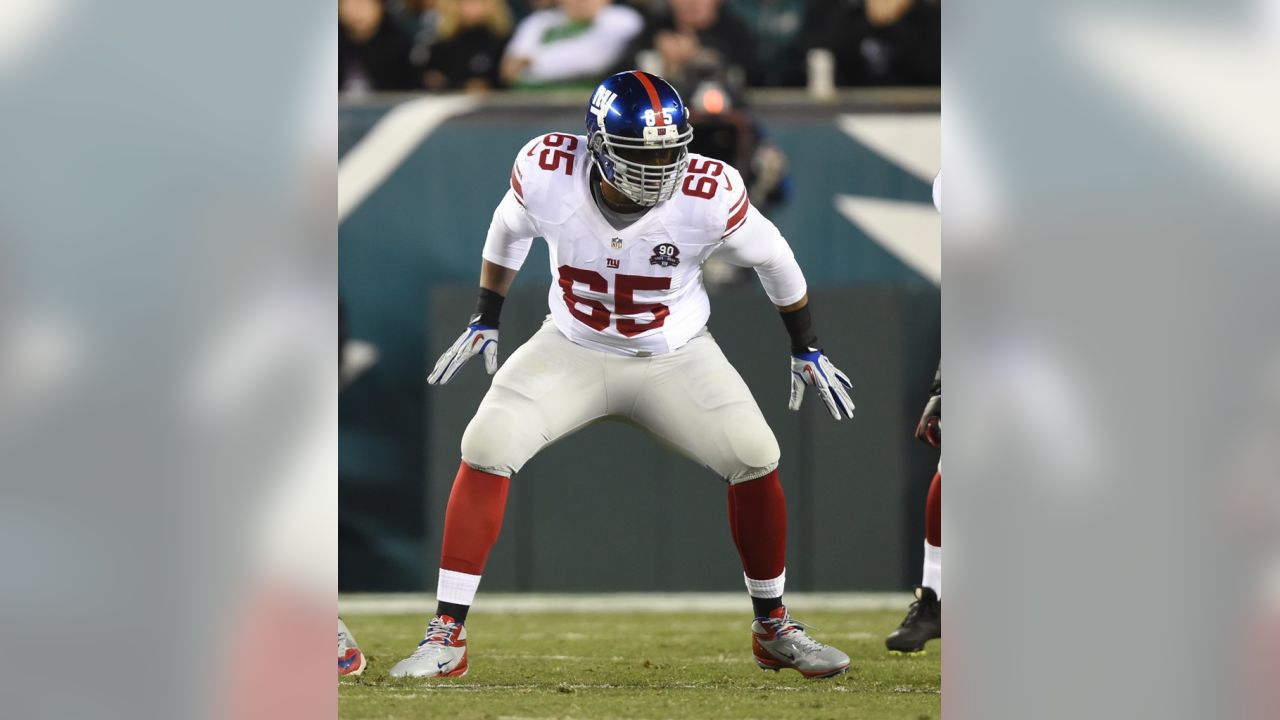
691	399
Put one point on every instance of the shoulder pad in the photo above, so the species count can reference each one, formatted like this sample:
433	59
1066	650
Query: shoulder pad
713	196
545	173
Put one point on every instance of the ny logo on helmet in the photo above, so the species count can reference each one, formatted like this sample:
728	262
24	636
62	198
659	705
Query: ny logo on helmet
602	103
666	255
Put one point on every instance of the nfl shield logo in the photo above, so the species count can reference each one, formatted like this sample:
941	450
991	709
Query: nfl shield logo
616	243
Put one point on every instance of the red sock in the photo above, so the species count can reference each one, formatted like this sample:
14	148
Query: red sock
933	512
758	521
472	519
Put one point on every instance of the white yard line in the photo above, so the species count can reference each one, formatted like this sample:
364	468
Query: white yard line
800	603
409	693
427	690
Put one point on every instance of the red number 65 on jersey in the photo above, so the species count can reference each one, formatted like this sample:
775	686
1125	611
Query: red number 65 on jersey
597	316
552	157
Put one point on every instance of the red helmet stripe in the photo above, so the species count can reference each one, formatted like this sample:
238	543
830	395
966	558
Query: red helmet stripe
653	96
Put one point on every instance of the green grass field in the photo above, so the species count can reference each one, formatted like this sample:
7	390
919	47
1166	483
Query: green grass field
639	665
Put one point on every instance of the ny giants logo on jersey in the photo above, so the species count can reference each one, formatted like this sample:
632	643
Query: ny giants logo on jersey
612	263
666	255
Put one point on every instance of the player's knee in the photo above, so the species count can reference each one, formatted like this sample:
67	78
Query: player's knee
491	442
755	451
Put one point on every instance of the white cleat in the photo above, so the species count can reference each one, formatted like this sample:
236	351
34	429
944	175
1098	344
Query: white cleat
350	660
442	653
779	642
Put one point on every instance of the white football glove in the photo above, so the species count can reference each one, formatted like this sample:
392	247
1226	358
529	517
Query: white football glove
476	339
813	368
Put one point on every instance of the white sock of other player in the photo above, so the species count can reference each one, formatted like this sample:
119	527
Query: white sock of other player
932	569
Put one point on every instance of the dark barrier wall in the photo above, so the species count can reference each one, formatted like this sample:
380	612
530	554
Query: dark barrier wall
608	509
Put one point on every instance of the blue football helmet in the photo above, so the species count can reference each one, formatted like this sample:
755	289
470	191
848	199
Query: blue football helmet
638	133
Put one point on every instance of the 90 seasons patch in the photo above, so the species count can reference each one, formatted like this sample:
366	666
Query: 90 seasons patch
666	255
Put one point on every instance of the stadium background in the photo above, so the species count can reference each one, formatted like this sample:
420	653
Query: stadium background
608	509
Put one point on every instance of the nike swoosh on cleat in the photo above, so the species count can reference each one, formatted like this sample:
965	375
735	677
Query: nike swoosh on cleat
442	664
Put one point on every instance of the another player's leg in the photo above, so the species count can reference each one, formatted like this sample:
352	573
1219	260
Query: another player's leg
548	388
350	660
924	618
696	401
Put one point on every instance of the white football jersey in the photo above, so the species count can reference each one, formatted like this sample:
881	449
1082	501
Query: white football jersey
637	290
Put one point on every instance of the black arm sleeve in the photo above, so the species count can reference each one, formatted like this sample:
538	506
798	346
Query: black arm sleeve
799	325
488	308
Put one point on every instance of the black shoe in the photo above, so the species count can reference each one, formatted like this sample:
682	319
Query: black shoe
922	624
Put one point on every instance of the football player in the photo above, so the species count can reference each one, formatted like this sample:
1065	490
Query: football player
924	618
629	216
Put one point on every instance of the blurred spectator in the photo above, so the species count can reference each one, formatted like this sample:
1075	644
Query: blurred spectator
579	41
373	54
725	131
421	20
468	51
648	8
778	27
880	42
699	30
524	8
